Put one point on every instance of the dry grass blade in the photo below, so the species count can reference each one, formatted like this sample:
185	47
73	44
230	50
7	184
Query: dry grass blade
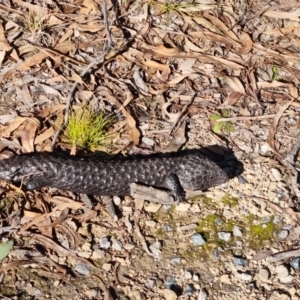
272	132
52	246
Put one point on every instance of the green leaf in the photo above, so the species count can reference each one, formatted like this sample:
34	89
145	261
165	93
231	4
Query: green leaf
225	113
5	249
218	127
229	127
215	117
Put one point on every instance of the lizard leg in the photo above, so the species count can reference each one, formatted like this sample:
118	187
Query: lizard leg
172	183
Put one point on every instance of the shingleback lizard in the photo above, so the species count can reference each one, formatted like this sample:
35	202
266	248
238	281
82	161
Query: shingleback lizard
108	177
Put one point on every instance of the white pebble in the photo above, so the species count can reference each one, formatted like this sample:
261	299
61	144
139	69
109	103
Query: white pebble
225	236
276	174
150	223
183	207
242	276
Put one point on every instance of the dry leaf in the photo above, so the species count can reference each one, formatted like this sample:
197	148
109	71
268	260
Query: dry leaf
272	132
191	46
246	43
181	77
226	62
282	15
232	99
155	65
37	9
7	130
134	132
220	25
52	246
235	84
28	134
170	117
282	31
88	6
92	26
215	38
4	45
207	24
36	59
162	50
273	84
44	136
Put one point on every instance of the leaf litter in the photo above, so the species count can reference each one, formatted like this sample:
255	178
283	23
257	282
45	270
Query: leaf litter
166	76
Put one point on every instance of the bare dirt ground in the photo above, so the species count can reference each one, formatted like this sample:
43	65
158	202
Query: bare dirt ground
168	74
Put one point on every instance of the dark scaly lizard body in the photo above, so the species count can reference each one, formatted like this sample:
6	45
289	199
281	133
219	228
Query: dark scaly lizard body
112	177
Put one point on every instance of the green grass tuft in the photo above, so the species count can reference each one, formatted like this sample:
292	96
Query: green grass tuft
89	131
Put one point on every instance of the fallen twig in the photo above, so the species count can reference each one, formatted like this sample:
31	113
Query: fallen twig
284	255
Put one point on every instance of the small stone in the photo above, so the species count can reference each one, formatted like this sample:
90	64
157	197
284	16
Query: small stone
150	223
195	277
37	292
152	207
106	267
239	244
149	284
215	253
92	293
175	261
227	213
295	263
277	220
283	274
287	279
168	294
279	295
219	222
104	243
98	254
56	283
188	275
168	228
82	268
155	249
264	275
117	200
86	247
237	231
85	254
224	236
171	281
225	279
195	208
265	149
276	174
189	290
242	179
148	141
243	276
239	261
182	206
203	294
116	245
282	271
265	220
198	240
283	234
129	246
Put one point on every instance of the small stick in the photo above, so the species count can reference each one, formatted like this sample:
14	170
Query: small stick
151	194
284	255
